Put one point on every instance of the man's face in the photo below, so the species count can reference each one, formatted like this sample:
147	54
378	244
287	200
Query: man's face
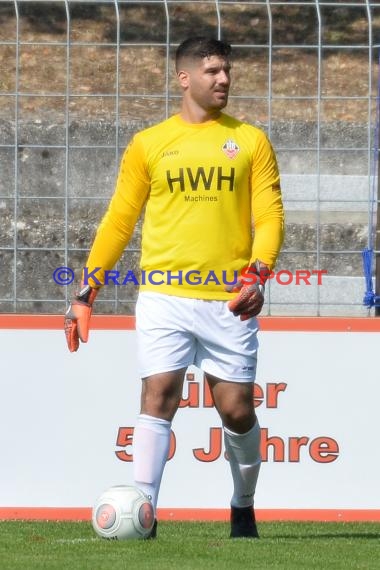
206	82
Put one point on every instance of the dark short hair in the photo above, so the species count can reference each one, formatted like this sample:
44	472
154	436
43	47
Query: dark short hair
198	47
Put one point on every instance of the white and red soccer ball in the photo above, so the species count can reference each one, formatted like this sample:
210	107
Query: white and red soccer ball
123	512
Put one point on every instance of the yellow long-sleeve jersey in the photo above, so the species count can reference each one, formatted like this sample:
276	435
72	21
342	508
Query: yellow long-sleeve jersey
212	201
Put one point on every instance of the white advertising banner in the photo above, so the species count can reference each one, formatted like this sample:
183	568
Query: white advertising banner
66	423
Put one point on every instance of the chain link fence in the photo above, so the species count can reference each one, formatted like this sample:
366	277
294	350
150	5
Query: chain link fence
78	79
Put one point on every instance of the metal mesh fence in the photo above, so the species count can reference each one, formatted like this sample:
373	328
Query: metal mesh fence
78	79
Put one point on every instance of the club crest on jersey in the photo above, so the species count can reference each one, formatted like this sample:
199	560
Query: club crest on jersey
230	148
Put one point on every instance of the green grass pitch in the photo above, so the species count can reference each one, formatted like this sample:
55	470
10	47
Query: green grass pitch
37	545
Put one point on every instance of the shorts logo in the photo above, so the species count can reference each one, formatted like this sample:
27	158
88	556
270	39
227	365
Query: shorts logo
230	148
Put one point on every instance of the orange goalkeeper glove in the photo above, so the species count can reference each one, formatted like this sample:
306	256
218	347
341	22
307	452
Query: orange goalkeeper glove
250	286
77	317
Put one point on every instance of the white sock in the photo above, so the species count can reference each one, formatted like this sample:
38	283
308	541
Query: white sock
243	452
151	441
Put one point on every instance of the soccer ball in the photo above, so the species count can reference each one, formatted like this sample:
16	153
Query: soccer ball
123	512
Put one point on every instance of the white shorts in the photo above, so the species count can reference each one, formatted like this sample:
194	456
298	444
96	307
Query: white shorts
175	332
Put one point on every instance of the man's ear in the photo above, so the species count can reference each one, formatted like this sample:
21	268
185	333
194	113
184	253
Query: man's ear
183	78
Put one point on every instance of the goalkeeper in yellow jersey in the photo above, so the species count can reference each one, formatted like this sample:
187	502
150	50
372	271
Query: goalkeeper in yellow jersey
206	181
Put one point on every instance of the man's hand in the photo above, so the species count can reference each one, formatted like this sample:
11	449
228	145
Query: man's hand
250	286
77	317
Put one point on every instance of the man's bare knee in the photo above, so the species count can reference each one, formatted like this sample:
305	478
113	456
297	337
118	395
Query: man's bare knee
234	402
161	394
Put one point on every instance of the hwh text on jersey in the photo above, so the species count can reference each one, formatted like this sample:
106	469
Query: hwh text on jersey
187	178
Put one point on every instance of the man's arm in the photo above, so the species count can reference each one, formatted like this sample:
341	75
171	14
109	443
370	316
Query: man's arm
112	236
117	226
268	219
266	204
